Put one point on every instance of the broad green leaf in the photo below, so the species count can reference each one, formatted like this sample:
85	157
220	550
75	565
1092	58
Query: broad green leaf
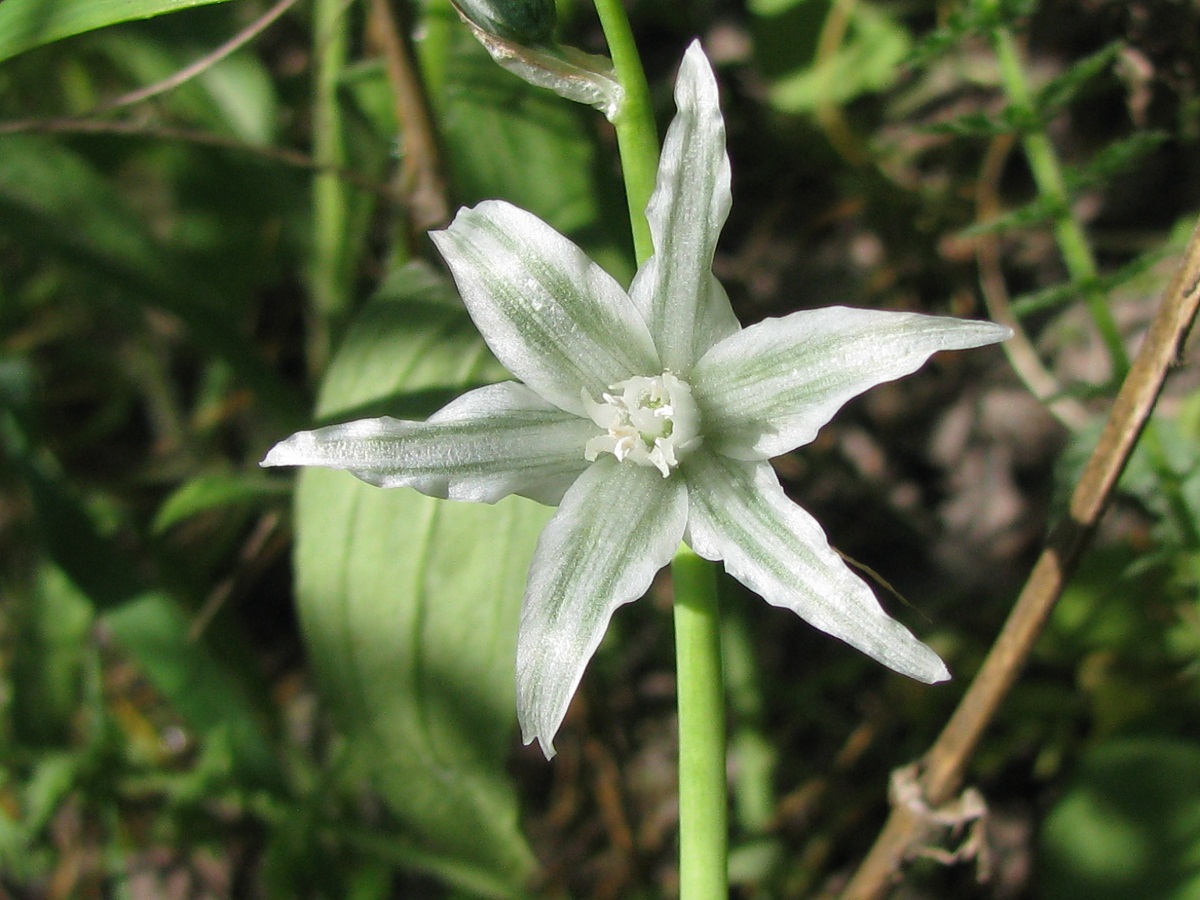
409	605
508	139
1127	826
25	24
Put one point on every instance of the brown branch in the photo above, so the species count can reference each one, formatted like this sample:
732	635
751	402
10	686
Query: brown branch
943	765
188	72
172	81
282	155
421	179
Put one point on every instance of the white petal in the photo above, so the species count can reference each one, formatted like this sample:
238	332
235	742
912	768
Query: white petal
674	289
739	513
617	526
769	388
498	440
554	318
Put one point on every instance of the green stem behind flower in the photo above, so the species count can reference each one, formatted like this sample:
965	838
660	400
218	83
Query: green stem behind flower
637	136
703	829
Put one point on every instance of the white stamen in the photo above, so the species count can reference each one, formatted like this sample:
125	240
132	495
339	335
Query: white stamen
650	421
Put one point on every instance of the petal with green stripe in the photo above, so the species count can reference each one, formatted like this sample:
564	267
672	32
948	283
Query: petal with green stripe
554	318
769	388
491	442
739	513
675	289
616	527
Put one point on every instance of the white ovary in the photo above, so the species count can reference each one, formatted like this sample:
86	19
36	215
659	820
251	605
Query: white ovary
649	421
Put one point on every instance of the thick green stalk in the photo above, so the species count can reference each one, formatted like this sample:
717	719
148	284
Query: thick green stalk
703	827
637	136
703	822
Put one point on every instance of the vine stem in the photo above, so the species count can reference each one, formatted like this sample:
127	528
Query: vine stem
703	814
943	766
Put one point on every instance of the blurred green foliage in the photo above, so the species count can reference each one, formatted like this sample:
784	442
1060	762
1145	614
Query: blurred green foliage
184	277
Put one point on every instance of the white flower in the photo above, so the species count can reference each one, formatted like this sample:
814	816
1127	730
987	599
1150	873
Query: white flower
647	417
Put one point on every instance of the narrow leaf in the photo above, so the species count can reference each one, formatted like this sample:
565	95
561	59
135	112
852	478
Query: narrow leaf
25	24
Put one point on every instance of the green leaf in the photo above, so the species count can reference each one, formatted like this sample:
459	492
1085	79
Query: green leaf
1064	88
1008	120
508	139
409	605
198	682
971	19
208	492
1128	825
234	97
505	138
209	689
1038	211
48	656
1114	159
1061	294
25	24
867	60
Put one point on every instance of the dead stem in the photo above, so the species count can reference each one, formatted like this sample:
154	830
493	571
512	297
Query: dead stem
172	81
422	183
282	155
942	767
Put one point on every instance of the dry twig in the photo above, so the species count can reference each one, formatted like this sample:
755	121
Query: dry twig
422	182
943	765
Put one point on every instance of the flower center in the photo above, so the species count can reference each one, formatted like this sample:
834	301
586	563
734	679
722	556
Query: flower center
647	421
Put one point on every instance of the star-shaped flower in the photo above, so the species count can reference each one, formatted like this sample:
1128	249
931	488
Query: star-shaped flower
647	417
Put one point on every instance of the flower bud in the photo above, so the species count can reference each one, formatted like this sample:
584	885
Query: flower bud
519	36
527	22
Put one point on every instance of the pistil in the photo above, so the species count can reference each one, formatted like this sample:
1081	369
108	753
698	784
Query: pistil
648	421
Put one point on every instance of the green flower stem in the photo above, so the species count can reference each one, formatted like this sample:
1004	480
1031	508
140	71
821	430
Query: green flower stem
1081	265
637	136
331	200
703	830
1047	173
